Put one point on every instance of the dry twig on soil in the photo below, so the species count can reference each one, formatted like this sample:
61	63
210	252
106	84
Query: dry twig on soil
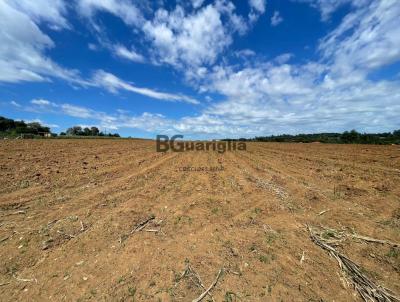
194	277
24	280
152	231
302	258
368	290
142	224
65	234
369	239
82	226
19	212
323	212
4	239
205	293
139	227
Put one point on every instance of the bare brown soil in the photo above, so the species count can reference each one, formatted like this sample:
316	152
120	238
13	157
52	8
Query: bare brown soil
69	209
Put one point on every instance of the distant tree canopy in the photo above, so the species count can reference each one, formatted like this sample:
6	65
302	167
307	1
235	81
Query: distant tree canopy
76	130
347	137
92	131
14	128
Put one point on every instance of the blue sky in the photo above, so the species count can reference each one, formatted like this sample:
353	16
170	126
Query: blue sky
205	69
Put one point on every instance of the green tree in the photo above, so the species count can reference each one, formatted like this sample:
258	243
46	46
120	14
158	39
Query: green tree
6	124
95	131
75	130
87	132
350	137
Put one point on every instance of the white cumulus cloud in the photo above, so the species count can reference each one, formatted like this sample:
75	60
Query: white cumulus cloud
23	44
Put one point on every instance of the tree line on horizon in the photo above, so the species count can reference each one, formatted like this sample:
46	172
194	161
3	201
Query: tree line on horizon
92	131
347	137
14	128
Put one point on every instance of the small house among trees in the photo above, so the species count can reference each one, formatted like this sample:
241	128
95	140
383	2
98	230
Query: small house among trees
10	127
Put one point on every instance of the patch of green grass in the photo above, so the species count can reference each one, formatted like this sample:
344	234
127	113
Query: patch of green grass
230	297
121	279
24	184
178	219
328	234
393	253
177	277
132	291
270	238
214	210
183	219
267	258
263	259
11	269
171	292
257	210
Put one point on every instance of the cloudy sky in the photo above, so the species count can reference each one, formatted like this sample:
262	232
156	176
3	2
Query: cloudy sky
205	69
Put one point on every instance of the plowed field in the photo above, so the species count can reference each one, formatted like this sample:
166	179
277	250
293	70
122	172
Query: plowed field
113	220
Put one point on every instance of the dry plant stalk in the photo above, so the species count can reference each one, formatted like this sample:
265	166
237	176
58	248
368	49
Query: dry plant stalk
195	278
24	280
206	292
368	290
139	227
4	239
142	225
370	239
323	212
